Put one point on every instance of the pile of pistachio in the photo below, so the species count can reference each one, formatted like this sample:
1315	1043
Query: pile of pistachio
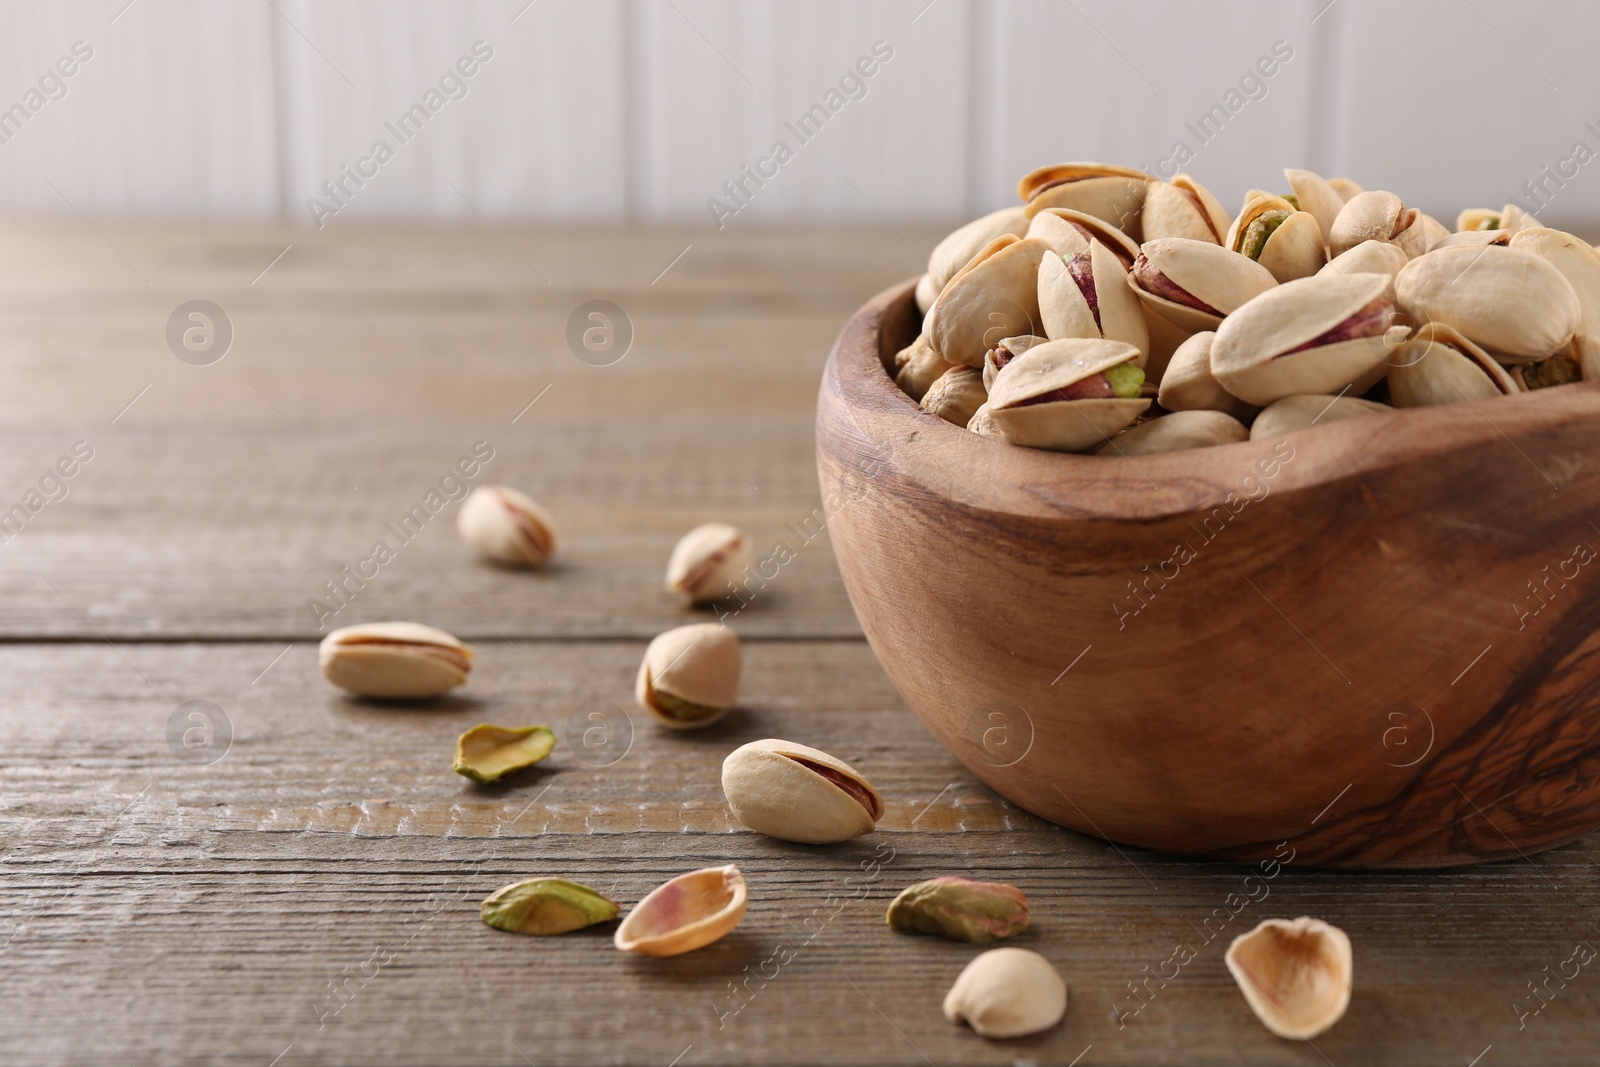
1295	975
1119	314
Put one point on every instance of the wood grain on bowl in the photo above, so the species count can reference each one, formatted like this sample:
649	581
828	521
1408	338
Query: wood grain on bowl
1374	640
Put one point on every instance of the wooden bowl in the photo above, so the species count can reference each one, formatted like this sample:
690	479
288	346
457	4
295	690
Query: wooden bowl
1372	643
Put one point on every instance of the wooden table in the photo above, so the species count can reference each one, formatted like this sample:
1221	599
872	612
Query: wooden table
311	895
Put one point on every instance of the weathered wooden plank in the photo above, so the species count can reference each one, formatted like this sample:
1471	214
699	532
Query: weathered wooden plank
312	894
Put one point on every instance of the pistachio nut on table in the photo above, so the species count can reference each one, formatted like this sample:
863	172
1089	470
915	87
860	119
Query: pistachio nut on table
1115	313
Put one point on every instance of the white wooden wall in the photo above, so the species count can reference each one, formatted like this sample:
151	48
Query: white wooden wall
640	109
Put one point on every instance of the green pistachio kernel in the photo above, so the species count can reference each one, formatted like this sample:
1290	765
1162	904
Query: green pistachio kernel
1294	201
680	709
544	906
1489	222
1126	380
1262	227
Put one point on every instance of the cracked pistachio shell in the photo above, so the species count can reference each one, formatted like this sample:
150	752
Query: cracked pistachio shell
1175	432
922	367
1065	312
706	561
686	913
1295	975
1217	276
1115	194
1009	347
1062	425
796	793
1293	250
1511	301
1475	238
690	675
545	906
1007	992
394	660
1183	208
961	909
1433	231
1069	232
488	753
1253	355
956	396
995	295
981	423
1188	384
1294	413
957	249
507	526
1578	263
1439	366
1319	196
1369	257
1378	216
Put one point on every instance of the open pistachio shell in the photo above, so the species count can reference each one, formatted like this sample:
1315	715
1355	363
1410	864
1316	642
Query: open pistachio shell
1510	301
1475	238
926	293
1115	194
995	295
958	248
1378	216
1318	196
545	906
1345	188
707	561
488	753
797	793
1578	263
1174	432
1478	218
1066	425
1218	277
921	368
1273	233
1188	384
1008	349
1260	352
1183	208
1165	337
1369	257
394	660
1433	231
980	423
956	395
1513	218
1294	413
1069	232
686	913
690	675
1439	366
1295	975
1064	306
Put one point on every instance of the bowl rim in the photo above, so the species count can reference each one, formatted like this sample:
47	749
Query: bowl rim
993	475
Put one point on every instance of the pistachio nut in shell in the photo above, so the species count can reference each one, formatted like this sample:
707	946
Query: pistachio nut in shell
1087	295
1345	188
1278	236
1295	413
1115	194
958	248
690	675
1578	263
1510	301
1477	218
394	660
1067	232
545	906
1183	208
1439	366
706	561
1194	284
1433	231
507	526
688	912
487	753
1312	335
1369	257
1007	992
1176	432
1378	216
1068	395
981	424
995	295
1008	349
922	367
956	395
1188	384
797	793
1475	238
961	909
926	293
1295	975
1316	194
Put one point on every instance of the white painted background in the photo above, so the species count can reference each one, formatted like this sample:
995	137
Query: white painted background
637	110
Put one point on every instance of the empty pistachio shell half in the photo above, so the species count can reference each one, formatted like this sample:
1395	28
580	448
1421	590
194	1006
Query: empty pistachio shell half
1280	237
961	909
1439	366
1115	194
690	675
1183	208
921	368
1007	992
1508	300
1068	395
1174	432
1087	295
796	793
995	295
1193	284
1295	413
396	660
505	525
545	906
1312	335
488	753
706	561
956	395
689	912
1188	384
1295	975
1378	216
1069	232
957	249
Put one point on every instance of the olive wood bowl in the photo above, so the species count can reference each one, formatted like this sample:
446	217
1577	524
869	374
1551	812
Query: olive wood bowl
1373	640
